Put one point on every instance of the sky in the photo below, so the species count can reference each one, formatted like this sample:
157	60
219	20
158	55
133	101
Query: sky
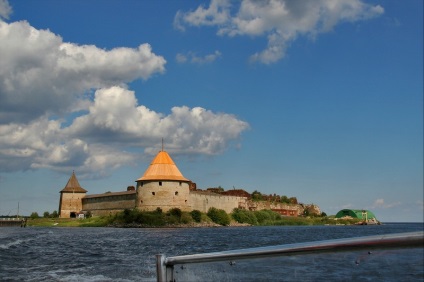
320	100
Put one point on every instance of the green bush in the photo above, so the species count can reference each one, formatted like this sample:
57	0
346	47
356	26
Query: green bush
196	215
218	216
244	216
54	214
175	212
267	217
186	218
262	216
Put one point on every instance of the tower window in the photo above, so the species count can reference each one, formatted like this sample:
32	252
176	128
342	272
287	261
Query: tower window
180	183
176	193
153	193
141	183
160	183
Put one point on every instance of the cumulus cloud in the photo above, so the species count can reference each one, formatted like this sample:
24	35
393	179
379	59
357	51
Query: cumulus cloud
5	9
216	14
66	106
40	74
96	141
192	57
281	21
191	131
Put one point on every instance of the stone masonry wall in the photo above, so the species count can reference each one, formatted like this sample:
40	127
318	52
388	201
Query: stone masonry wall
108	205
70	202
263	205
202	201
164	194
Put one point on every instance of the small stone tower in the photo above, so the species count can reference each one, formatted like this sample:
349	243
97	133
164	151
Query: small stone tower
162	185
71	198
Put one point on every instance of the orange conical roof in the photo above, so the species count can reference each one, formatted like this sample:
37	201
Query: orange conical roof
162	168
73	185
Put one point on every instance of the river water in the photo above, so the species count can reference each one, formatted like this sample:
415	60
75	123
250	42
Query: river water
114	254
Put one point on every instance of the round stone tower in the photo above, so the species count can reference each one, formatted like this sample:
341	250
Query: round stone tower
163	186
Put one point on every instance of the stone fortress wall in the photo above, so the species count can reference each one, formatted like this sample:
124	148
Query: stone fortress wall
203	200
108	203
111	203
163	186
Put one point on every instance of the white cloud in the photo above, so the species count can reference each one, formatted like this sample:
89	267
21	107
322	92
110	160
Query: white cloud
96	141
5	9
188	130
282	21
48	120
195	59
40	74
216	14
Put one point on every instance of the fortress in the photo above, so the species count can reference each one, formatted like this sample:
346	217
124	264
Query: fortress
163	186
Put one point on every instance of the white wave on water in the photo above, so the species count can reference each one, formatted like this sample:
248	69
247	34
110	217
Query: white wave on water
10	244
58	275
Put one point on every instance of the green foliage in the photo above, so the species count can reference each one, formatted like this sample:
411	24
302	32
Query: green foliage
256	196
151	218
34	215
284	199
244	216
218	216
140	217
196	215
262	216
267	217
186	218
293	200
175	212
46	214
54	214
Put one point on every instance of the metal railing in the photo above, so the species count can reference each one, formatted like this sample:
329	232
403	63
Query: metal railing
165	265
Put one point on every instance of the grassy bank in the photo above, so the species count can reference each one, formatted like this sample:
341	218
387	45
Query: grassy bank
68	222
177	218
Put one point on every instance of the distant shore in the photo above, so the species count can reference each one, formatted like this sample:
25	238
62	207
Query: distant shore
106	222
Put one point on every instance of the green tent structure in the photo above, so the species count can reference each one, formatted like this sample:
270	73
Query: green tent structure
359	214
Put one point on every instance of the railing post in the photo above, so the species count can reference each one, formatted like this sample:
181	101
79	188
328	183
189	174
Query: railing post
160	268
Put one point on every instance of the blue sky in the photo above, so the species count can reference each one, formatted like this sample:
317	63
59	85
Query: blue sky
318	100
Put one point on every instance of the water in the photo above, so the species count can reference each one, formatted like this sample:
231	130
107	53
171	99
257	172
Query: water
112	254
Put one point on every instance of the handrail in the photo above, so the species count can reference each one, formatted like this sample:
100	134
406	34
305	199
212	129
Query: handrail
164	265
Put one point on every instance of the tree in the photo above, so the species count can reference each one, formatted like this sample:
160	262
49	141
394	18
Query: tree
256	196
175	212
293	200
218	216
244	216
46	214
285	200
54	214
34	215
196	215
